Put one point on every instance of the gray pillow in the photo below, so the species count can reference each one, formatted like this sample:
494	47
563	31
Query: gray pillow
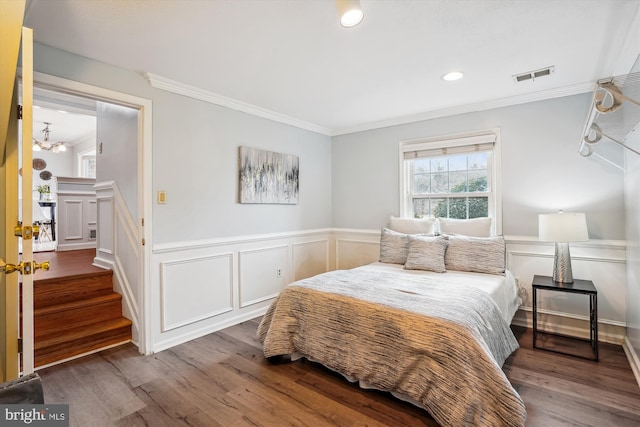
477	254
393	247
426	253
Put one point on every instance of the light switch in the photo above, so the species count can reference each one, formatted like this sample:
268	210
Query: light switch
162	197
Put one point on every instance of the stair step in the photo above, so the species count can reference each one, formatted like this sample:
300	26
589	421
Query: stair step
71	342
48	320
73	288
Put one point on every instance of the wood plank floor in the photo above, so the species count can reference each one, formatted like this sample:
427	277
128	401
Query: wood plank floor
222	379
66	263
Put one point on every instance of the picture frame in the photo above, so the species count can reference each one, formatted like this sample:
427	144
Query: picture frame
268	177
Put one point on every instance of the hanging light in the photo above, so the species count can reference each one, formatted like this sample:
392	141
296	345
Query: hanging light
45	144
350	12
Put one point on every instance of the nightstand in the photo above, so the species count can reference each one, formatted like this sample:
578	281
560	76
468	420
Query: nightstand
585	287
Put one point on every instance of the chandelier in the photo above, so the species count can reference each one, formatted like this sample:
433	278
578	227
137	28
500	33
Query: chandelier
55	147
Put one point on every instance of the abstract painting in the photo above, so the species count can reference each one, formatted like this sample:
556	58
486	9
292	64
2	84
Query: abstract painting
268	177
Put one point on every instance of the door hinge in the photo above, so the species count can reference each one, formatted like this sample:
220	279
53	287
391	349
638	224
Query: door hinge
19	345
142	221
143	242
19	112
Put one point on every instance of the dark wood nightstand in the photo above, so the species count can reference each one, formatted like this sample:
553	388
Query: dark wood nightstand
585	287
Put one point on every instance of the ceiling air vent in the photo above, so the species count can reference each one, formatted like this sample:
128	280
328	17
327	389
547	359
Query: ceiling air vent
535	74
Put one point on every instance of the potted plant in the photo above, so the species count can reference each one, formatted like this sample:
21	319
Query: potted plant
44	191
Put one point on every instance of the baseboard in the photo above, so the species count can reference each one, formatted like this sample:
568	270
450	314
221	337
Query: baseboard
634	361
570	325
75	246
231	321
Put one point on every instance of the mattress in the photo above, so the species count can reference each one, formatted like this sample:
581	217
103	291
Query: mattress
502	289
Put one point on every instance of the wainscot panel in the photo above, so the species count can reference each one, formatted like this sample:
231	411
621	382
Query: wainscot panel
189	296
105	223
310	258
354	248
262	274
194	293
317	251
601	261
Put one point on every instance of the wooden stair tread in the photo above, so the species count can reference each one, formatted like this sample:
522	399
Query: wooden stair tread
82	332
72	305
73	288
44	281
76	310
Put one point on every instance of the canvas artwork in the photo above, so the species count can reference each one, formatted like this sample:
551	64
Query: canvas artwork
268	177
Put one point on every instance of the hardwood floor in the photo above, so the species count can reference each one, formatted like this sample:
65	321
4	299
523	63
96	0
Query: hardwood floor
222	379
66	263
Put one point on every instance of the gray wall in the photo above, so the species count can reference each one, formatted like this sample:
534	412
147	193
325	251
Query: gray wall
632	202
632	199
541	168
195	158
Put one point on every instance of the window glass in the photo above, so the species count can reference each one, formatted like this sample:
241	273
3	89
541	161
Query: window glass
449	180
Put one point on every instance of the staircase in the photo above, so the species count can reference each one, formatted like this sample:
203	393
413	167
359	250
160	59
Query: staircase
77	314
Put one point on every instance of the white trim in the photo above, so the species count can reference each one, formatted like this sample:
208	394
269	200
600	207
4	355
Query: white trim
179	88
570	331
470	108
161	248
633	358
144	106
494	170
174	86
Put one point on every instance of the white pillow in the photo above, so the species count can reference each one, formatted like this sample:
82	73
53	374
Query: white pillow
412	225
475	227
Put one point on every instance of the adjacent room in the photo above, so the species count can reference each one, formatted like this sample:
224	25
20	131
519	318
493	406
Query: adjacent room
327	212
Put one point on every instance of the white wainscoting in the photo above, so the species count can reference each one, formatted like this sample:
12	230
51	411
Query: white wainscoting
601	261
198	293
76	220
204	286
118	249
182	279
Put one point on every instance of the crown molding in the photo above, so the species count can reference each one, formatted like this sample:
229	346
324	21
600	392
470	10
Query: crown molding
179	88
470	108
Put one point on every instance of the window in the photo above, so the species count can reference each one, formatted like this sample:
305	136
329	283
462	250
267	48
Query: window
451	177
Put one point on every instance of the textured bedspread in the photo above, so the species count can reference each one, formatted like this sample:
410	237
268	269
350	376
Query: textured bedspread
441	346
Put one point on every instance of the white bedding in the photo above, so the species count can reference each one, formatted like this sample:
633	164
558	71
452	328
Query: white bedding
502	289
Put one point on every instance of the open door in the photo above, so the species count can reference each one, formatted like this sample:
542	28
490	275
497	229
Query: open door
15	137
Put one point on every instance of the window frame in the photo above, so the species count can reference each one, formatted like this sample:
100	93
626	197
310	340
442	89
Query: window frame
466	139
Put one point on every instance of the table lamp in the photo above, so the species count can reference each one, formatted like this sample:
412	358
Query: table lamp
562	228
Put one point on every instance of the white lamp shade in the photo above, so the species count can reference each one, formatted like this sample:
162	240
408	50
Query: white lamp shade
562	227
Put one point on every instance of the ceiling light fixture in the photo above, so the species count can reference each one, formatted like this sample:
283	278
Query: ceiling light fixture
350	12
452	76
46	145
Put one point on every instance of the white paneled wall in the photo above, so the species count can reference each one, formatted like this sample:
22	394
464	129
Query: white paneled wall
76	213
188	296
601	261
203	286
200	287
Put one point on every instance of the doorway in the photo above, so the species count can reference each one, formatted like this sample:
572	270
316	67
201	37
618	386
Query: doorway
132	283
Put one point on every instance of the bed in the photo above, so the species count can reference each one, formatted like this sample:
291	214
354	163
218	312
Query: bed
435	338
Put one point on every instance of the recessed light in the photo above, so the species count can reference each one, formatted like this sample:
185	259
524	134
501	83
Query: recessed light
454	75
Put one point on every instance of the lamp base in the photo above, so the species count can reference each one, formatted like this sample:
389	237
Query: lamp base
562	264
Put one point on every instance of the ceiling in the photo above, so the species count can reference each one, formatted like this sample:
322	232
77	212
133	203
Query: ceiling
71	119
292	58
